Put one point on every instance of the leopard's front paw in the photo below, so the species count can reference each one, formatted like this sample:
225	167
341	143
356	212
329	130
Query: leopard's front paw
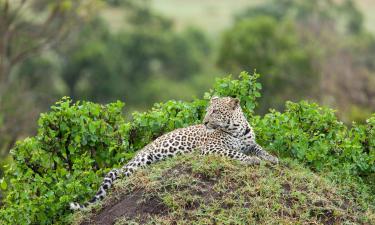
273	159
253	161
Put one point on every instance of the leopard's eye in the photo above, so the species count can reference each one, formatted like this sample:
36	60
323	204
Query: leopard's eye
214	111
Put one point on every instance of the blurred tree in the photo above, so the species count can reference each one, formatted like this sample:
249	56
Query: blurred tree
275	50
23	34
88	51
315	14
102	65
353	18
29	31
339	52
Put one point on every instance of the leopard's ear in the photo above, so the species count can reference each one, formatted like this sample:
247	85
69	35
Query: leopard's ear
213	98
234	103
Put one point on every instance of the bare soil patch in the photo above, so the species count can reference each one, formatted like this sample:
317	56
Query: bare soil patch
130	206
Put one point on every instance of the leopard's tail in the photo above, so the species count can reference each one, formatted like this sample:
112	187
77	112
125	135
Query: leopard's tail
107	183
141	160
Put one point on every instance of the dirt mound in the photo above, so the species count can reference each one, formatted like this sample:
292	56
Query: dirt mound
130	206
214	190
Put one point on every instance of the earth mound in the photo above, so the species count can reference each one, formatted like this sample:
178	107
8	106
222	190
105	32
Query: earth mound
195	189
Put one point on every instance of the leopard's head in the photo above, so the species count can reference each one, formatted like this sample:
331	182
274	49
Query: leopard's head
224	113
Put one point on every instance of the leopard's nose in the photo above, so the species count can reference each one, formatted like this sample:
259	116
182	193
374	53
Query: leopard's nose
205	122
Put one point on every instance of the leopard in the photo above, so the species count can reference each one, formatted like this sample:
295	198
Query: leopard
225	131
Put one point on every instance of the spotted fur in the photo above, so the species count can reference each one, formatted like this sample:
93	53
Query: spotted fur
225	131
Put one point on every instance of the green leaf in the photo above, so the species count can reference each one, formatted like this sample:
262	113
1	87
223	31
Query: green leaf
3	184
258	85
77	139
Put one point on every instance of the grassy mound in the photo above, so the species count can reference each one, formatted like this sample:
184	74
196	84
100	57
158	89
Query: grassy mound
214	190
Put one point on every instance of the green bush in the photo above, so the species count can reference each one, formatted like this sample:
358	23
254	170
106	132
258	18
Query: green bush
75	142
78	142
313	135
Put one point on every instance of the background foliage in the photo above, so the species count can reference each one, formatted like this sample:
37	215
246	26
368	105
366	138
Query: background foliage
108	50
147	51
77	142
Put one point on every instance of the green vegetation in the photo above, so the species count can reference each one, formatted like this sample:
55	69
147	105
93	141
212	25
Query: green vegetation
127	50
100	65
295	44
77	143
76	54
313	135
73	142
276	52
